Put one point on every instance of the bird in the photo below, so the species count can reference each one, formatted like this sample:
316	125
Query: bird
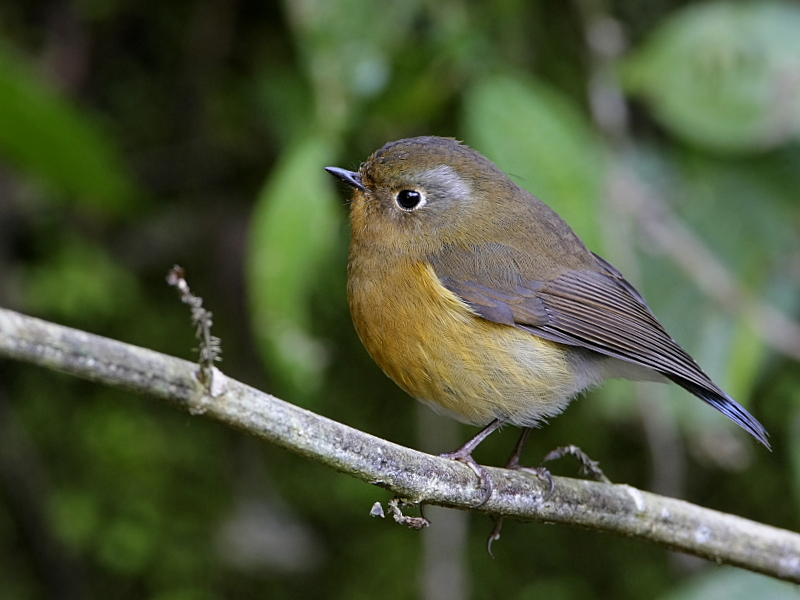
479	300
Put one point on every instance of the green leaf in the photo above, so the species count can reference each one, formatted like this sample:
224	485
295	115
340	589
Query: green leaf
50	139
291	234
723	75
542	141
728	583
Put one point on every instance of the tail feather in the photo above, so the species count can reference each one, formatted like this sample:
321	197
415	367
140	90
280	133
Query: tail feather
728	407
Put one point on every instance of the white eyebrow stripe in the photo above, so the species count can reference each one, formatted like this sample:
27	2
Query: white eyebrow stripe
444	175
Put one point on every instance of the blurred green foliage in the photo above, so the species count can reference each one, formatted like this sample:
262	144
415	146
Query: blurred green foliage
58	144
293	230
722	75
136	136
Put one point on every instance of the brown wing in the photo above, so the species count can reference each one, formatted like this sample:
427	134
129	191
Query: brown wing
595	309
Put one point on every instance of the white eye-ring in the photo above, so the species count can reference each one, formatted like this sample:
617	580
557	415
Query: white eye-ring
409	200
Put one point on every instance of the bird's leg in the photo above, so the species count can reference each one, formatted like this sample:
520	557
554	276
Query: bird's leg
516	453
541	472
464	455
513	463
588	466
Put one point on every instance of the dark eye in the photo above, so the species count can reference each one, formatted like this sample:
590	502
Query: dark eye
410	199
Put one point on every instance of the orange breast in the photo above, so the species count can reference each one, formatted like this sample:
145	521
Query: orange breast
441	352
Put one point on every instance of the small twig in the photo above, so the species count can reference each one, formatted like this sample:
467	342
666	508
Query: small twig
395	505
210	346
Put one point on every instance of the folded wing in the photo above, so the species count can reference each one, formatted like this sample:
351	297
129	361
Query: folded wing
595	308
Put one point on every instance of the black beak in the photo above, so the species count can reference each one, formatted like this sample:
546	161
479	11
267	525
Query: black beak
349	177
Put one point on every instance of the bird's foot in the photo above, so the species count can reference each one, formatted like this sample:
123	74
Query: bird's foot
485	481
588	466
541	472
464	455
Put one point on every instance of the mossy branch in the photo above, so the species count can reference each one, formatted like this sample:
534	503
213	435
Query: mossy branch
413	475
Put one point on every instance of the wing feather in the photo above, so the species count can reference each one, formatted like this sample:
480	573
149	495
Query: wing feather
595	308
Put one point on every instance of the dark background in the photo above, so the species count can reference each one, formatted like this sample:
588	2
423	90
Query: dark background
136	135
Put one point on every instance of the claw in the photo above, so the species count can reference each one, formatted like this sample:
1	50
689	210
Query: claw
485	481
464	455
494	535
544	475
588	466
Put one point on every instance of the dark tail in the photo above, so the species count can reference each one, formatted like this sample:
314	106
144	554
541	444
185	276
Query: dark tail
727	406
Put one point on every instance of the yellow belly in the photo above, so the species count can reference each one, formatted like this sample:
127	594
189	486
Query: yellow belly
441	352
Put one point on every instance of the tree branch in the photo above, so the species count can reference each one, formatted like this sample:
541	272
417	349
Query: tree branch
413	475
